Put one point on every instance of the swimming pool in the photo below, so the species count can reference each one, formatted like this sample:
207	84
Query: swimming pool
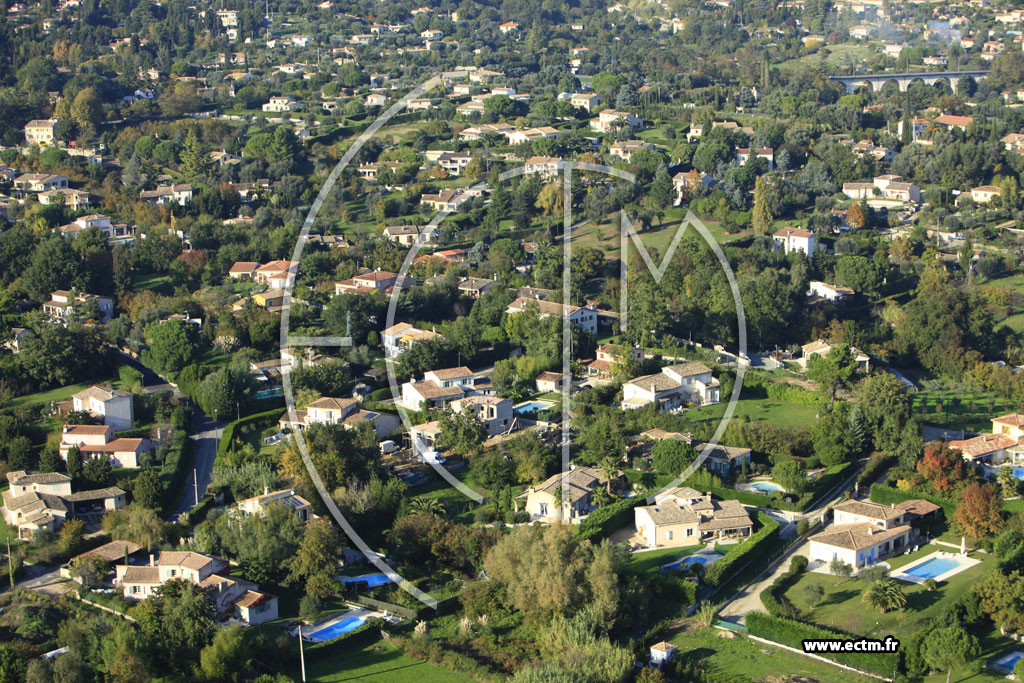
939	566
337	628
1007	661
762	486
702	559
267	393
371	580
933	567
533	406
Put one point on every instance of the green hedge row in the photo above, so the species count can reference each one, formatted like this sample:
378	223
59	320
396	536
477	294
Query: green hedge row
600	523
792	633
876	465
174	471
773	597
759	544
261	420
833	475
887	495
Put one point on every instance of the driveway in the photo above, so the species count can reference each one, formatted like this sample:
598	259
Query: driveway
205	439
749	599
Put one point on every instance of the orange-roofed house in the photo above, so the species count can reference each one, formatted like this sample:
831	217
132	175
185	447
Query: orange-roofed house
243	270
796	239
278	274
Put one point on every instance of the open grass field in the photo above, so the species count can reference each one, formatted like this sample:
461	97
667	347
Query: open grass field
59	394
775	411
834	56
161	284
742	657
376	662
460	508
961	408
842	606
605	235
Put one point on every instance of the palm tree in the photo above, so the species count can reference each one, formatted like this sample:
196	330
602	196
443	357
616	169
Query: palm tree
601	497
429	506
885	595
560	494
609	469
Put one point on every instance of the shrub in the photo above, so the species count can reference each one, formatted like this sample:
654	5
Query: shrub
792	633
309	607
601	523
759	544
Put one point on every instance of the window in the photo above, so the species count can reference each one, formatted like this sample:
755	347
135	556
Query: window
668	535
542	509
689	532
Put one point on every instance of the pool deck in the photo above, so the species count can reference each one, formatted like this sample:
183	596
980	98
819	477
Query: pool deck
963	563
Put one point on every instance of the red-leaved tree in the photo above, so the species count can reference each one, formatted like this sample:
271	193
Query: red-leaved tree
979	511
943	467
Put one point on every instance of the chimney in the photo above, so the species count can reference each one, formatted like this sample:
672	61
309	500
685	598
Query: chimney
152	560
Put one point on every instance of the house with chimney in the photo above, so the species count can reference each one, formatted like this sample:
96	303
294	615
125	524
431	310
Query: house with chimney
862	533
98	441
342	411
233	597
113	406
675	386
796	239
41	501
683	516
440	387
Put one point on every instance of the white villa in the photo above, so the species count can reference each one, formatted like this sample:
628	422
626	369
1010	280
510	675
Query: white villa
401	336
233	597
822	348
862	533
114	406
438	388
343	411
584	318
673	387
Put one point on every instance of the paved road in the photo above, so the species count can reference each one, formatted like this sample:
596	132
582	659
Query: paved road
205	438
206	435
749	598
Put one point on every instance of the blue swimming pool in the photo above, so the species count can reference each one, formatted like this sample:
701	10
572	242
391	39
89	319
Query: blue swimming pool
1007	662
764	486
334	630
684	562
267	393
371	580
533	406
936	566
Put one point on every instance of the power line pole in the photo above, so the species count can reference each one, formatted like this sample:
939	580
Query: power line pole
195	483
302	655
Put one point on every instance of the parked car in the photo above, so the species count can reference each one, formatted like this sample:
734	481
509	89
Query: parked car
388	446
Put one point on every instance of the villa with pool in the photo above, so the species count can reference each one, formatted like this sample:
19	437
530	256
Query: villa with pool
862	533
683	516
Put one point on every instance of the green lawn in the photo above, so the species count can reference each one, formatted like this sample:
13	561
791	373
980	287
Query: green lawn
750	660
59	394
159	283
842	606
775	411
648	562
1014	506
460	508
376	662
961	408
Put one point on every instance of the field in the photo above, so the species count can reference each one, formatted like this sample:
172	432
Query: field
605	235
59	394
775	411
376	662
751	660
1015	284
833	55
961	408
842	606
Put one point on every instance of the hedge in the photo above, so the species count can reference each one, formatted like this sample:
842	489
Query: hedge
174	471
600	523
792	633
887	495
876	465
227	438
773	597
758	545
832	476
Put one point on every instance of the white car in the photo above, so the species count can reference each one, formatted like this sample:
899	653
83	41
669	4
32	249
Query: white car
432	458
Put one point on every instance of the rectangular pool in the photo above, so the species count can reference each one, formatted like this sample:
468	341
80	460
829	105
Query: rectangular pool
371	580
933	567
533	406
1008	661
332	631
